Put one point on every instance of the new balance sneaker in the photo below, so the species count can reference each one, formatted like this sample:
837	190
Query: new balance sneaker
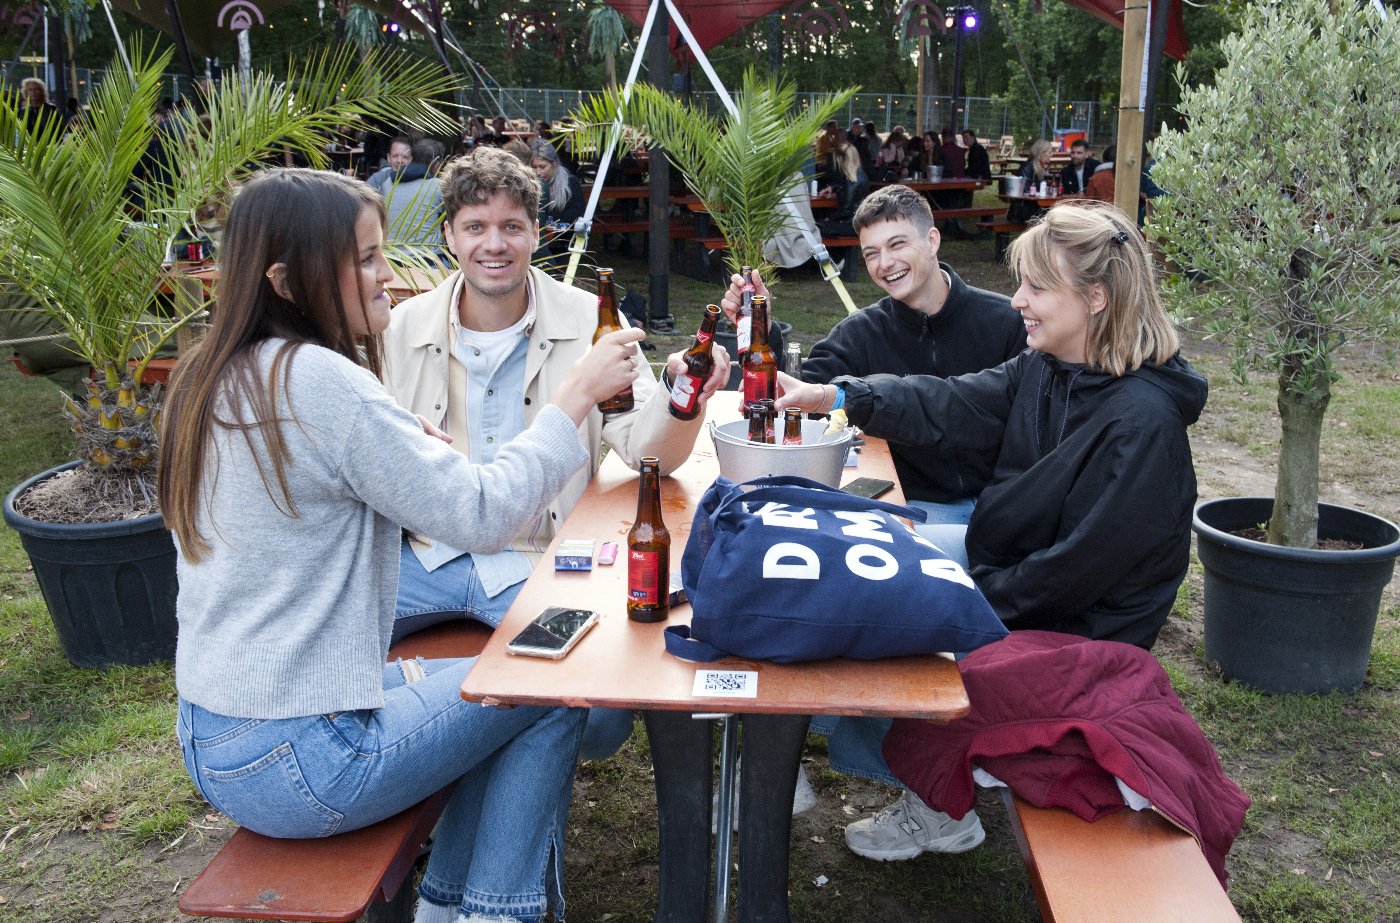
909	828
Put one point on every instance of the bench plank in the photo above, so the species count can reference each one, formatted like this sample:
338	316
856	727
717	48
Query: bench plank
1132	865
333	879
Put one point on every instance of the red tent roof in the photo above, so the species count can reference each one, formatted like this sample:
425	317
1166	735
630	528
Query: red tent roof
713	21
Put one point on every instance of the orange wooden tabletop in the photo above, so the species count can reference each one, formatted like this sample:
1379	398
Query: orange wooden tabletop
624	664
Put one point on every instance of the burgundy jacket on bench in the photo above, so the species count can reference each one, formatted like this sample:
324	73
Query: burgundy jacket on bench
1057	717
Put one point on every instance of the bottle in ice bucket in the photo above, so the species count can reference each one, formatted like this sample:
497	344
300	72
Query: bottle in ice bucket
770	421
608	321
699	363
744	325
649	552
757	426
759	365
792	426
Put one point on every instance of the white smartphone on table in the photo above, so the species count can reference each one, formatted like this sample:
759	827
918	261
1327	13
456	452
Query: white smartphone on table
553	633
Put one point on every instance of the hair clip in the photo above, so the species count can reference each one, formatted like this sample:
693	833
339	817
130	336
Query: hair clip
1120	238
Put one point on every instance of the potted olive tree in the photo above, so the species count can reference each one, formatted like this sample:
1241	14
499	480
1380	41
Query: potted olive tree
87	219
1282	215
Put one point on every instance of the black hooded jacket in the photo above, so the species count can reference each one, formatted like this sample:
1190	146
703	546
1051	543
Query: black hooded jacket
1085	527
974	330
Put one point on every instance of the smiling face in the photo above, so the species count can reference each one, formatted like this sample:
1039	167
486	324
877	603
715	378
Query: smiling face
362	281
493	242
400	155
904	262
1056	318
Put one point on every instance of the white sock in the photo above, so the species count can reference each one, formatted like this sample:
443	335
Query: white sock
428	912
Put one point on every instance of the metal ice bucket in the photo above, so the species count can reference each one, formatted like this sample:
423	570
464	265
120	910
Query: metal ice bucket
821	456
1015	185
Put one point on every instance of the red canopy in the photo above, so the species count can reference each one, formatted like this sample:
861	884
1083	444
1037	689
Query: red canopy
711	22
714	22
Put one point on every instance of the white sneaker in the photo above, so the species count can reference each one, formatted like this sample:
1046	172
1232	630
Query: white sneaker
909	828
804	798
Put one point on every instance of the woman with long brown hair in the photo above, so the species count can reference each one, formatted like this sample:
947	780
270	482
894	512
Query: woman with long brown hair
287	475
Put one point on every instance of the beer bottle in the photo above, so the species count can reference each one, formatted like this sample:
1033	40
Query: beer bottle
759	365
770	421
792	426
699	363
608	321
649	551
744	326
757	427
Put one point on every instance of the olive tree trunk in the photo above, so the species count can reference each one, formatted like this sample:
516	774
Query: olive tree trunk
1301	408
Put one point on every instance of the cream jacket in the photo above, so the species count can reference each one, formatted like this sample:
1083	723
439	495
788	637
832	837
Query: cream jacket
418	355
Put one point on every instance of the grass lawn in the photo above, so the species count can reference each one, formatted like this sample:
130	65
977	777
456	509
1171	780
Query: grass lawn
100	823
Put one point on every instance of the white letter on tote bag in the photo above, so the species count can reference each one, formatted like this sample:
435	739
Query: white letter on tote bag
858	555
809	568
947	570
778	514
864	525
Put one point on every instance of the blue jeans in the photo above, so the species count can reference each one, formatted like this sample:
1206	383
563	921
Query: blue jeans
957	512
454	591
499	845
853	744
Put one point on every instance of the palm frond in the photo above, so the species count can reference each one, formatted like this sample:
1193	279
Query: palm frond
84	235
741	165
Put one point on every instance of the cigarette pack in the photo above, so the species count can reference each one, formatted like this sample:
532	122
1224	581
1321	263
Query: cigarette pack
574	554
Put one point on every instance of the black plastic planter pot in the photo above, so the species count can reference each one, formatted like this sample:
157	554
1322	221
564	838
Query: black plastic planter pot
1292	620
110	587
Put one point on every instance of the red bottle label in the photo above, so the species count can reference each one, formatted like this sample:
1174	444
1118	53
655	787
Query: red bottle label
685	392
643	577
702	337
757	386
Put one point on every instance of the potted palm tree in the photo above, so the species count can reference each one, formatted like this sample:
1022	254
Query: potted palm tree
86	224
741	164
1282	209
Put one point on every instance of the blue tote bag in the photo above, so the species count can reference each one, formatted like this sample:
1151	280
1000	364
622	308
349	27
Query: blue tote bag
793	570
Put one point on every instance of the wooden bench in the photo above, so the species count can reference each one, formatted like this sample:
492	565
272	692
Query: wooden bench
1003	229
336	879
1132	865
972	211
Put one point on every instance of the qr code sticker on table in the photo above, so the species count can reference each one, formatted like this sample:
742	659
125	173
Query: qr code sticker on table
734	684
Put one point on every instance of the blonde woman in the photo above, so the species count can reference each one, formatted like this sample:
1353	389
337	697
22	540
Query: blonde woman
1085	527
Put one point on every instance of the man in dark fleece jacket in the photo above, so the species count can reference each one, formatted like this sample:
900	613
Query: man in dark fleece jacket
930	323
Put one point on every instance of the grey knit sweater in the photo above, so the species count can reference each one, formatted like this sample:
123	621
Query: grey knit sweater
290	615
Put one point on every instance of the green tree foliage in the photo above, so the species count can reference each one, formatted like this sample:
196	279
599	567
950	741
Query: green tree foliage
1283	192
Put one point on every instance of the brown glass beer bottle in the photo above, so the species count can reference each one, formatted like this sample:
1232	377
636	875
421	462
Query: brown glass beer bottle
759	365
649	551
699	363
744	325
754	413
792	426
608	321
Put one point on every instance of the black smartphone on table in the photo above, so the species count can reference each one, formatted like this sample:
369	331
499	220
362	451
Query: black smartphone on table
869	487
553	633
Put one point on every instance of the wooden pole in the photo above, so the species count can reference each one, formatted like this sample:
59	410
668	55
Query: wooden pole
1127	168
658	60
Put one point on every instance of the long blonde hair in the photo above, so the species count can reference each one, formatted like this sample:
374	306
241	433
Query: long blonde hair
1037	148
1085	243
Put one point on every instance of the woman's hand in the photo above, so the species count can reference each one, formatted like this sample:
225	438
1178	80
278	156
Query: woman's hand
610	366
805	397
735	296
675	367
432	430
